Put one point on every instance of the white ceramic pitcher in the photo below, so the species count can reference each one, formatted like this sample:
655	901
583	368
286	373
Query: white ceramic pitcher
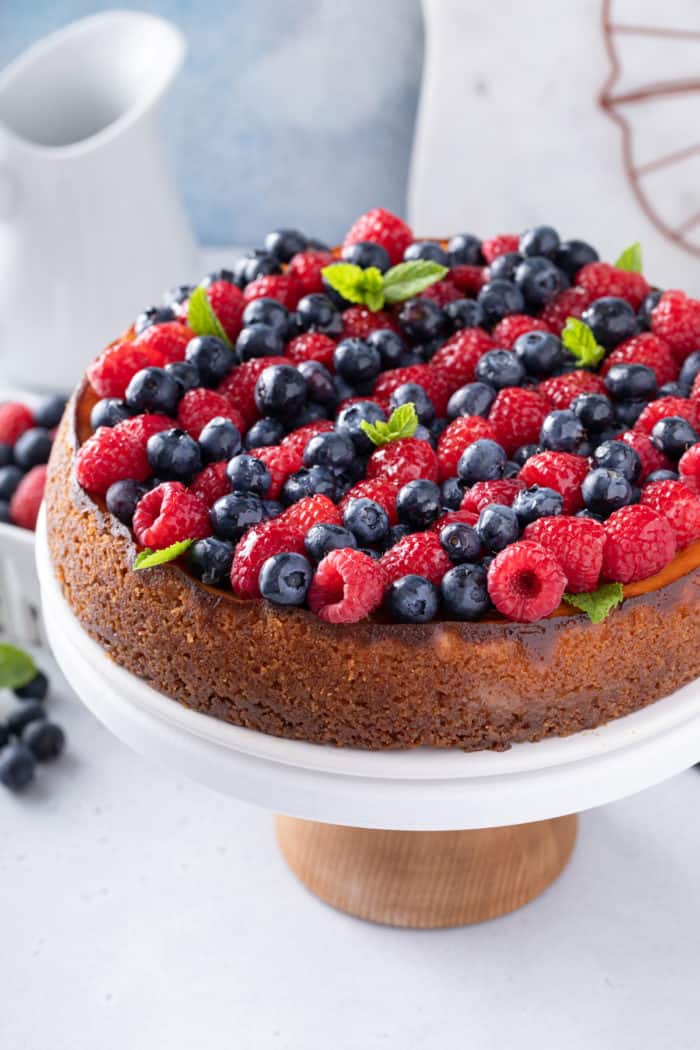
91	229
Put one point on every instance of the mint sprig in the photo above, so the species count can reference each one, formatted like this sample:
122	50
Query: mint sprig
597	604
631	259
402	423
201	317
579	340
373	289
16	667
147	558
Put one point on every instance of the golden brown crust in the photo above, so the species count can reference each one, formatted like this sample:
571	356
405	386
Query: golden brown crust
367	685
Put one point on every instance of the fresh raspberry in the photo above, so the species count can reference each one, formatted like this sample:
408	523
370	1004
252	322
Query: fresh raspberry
645	349
469	279
111	373
27	497
518	413
239	385
442	292
435	383
383	403
561	471
404	460
284	287
306	267
143	427
347	586
513	326
638	543
561	390
678	504
358	322
280	462
109	455
602	279
15	418
676	318
571	302
211	483
167	340
526	582
197	407
668	406
458	357
499	245
468	517
484	493
420	553
252	551
297	441
381	490
455	438
312	346
650	457
381	227
689	468
576	543
228	304
168	514
312	511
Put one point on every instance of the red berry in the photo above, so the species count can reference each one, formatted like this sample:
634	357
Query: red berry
228	304
198	407
638	543
484	493
312	346
382	490
526	582
347	586
602	279
576	543
650	456
569	303
469	279
434	382
689	468
513	326
645	349
676	318
284	287
168	340
239	385
280	462
561	390
145	426
111	373
358	322
306	267
442	292
211	483
297	441
404	460
561	471
15	418
518	414
312	510
454	439
110	454
381	227
679	506
169	514
252	551
420	553
458	357
27	497
499	245
668	406
469	517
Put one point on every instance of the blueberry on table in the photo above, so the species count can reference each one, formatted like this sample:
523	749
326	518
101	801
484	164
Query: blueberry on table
329	450
154	315
452	492
349	423
562	431
36	689
309	481
570	256
413	393
413	599
499	298
539	240
421	320
185	375
594	410
499	369
356	360
540	353
234	513
49	411
504	266
316	313
537	502
631	382
390	345
319	382
10	477
23	714
280	390
497	526
32	448
673	436
45	740
464	313
464	249
17	766
539	280
265	431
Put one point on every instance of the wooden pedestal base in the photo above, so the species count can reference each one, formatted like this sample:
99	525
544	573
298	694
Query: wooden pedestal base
426	879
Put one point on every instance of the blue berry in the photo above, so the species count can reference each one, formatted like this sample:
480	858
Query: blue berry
108	412
32	448
185	375
259	340
605	491
389	344
316	313
482	460
272	508
536	502
611	320
504	266
418	503
324	537
396	533
463	313
35	689
49	411
673	389
690	369
460	541
17	766
628	412
349	423
265	431
499	298
413	393
539	280
562	431
464	592
540	240
23	714
423	433
10	477
211	357
525	452
430	250
319	382
153	315
594	410
329	450
540	353
284	579
248	474
234	513
511	469
497	526
267	311
650	301
311	412
258	264
285	243
309	481
661	475
464	249
280	390
620	457
178	294
122	497
499	369
438	426
356	360
473	399
153	390
673	436
452	492
173	455
45	740
210	560
6	453
366	254
570	256
413	599
631	382
366	519
421	320
219	439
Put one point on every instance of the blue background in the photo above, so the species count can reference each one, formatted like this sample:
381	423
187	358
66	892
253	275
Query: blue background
286	113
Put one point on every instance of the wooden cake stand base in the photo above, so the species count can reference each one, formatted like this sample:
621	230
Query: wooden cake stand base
426	879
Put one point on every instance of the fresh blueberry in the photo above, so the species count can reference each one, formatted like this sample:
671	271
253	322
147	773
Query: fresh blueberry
673	389
628	412
356	360
423	433
265	431
365	254
631	382
562	431
49	411
570	256
499	298
108	412
317	313
539	280
272	508
35	689
389	344
285	243
426	351
482	460
259	340
650	301
311	412
17	766
211	357
179	293
329	450
460	541
525	452
463	313
605	491
323	537
248	474
504	266
418	503
661	475
430	250
32	448
309	481
232	514
45	740
690	369
497	526
465	250
413	393
319	382
219	439
185	375
511	469
10	477
153	315
499	369
173	455
540	353
438	426
396	534
210	560
421	320
268	312
153	390
464	592
540	240
350	419
280	390
473	399
122	497
536	502
611	320
366	519
452	493
412	599
6	457
259	264
284	579
594	410
23	714
620	457
673	436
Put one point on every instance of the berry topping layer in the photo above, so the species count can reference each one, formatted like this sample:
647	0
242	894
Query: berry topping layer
406	429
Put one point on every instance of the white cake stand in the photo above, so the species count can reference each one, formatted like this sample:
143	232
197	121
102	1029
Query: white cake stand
471	836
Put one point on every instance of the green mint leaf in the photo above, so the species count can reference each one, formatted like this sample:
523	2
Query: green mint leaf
580	341
631	259
148	558
410	278
401	424
597	604
346	279
16	667
202	319
371	287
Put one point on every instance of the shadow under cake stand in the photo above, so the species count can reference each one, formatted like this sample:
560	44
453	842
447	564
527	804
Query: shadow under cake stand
424	838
